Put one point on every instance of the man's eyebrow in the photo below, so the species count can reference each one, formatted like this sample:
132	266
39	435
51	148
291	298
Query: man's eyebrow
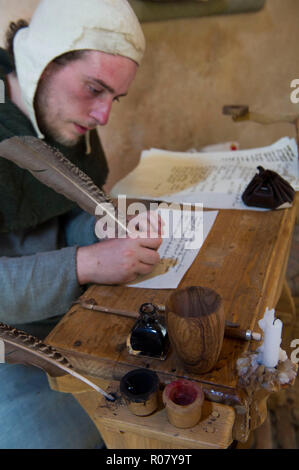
104	85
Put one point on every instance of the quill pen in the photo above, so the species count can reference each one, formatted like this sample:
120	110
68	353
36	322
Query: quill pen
53	169
23	348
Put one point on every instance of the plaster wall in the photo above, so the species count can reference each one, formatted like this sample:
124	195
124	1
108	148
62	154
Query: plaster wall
193	67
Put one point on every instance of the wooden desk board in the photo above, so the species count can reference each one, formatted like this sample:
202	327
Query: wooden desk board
244	259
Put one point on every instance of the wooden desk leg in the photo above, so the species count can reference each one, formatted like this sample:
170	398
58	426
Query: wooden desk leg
258	409
297	206
286	311
285	308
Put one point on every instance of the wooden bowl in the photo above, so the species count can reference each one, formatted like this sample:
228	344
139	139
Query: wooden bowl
183	400
139	388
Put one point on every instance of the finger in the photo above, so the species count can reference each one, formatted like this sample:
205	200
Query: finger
148	256
134	234
130	278
140	223
147	222
136	224
156	222
145	268
154	242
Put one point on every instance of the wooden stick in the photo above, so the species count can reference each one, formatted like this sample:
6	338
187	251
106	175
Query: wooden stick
231	329
242	113
266	119
99	308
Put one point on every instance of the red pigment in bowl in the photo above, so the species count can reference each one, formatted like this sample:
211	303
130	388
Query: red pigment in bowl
183	394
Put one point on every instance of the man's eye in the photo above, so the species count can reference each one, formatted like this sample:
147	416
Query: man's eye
116	99
94	91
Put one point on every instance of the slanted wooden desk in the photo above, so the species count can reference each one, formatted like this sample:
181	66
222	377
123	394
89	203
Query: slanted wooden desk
244	259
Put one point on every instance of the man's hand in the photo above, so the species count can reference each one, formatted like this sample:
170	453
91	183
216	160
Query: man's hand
117	261
147	222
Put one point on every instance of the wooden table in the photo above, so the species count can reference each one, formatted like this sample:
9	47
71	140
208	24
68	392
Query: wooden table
244	259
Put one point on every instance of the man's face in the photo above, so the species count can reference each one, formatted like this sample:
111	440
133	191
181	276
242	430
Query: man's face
74	98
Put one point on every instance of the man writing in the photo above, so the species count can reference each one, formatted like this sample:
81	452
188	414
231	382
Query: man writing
62	74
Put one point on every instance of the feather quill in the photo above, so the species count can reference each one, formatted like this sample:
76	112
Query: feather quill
53	169
22	348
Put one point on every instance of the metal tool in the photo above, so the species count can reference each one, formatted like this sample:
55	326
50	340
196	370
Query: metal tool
246	335
232	330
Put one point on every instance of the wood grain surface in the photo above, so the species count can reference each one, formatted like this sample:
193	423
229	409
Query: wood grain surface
244	259
123	430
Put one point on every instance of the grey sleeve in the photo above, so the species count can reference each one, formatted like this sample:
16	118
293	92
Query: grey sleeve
37	287
79	228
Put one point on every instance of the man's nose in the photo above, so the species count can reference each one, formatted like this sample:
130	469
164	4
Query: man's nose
101	111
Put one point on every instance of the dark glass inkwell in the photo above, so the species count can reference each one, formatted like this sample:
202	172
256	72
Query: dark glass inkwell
149	336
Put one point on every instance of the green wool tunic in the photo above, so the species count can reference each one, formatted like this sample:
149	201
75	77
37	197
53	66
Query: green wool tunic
40	230
25	202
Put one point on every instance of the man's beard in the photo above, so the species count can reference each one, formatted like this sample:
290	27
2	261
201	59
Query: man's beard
47	123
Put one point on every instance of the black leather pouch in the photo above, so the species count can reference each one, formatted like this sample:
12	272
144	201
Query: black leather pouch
268	190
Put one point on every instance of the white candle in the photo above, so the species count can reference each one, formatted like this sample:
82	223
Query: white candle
270	349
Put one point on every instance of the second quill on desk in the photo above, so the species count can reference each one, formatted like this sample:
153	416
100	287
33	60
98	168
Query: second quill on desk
231	330
238	333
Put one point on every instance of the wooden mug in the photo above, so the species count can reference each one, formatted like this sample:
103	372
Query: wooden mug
195	323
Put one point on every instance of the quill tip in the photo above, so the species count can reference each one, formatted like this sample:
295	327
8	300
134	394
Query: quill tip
111	397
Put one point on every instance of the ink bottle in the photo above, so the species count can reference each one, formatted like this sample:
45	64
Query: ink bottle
149	334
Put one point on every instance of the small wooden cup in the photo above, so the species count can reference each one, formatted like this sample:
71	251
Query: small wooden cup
140	388
195	323
183	400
